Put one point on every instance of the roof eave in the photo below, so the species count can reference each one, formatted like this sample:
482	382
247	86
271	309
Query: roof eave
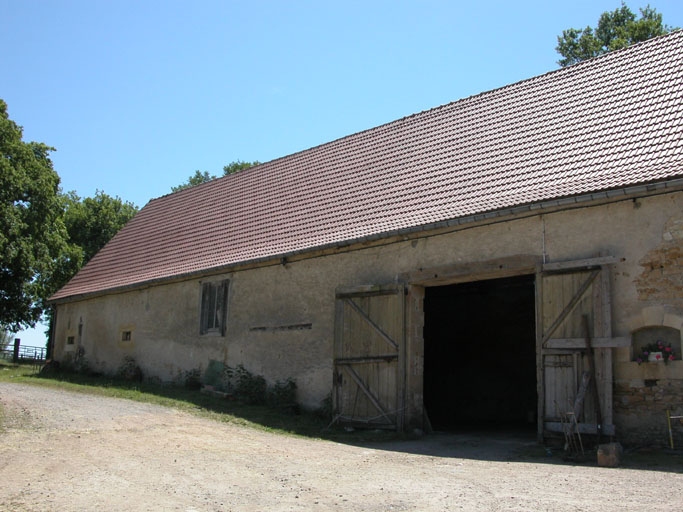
570	201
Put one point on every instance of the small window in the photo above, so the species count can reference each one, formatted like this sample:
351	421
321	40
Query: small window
70	340
213	307
126	335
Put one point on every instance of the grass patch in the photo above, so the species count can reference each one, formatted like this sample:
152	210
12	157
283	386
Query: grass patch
218	409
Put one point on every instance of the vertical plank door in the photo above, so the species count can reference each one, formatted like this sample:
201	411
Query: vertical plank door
566	293
369	356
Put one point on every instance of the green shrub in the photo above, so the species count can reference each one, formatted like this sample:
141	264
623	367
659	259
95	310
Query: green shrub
282	394
253	390
129	370
192	379
249	388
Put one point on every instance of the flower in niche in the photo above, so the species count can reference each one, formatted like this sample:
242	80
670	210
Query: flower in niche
661	351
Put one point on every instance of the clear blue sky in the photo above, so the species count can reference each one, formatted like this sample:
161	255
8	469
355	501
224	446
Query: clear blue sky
137	95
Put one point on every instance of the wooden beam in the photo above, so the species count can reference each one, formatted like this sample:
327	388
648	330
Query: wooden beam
338	352
579	264
570	307
580	343
372	324
371	290
387	358
591	363
605	371
473	271
540	371
356	378
401	363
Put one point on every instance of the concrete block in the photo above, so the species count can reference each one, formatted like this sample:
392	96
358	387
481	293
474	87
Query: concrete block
609	455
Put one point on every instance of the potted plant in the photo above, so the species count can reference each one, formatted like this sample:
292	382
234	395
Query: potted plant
656	352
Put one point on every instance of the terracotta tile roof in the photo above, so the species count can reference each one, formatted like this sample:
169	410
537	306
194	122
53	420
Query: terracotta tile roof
607	123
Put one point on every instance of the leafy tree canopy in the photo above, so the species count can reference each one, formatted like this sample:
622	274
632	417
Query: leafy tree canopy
32	231
93	221
90	224
202	177
196	179
237	166
615	30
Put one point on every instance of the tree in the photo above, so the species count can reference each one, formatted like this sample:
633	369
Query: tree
616	30
202	177
90	224
32	231
237	166
196	179
93	221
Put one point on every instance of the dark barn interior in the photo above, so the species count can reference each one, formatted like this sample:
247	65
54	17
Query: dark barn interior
480	357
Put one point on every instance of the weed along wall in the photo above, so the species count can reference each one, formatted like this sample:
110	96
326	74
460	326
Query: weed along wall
280	320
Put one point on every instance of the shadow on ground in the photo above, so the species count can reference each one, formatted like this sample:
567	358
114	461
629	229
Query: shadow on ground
516	446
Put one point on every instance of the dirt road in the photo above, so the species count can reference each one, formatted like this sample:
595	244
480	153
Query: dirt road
65	451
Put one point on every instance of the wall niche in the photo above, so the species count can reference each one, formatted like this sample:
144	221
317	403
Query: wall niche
651	334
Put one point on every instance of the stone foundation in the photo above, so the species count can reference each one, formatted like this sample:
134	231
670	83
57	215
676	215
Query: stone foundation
640	407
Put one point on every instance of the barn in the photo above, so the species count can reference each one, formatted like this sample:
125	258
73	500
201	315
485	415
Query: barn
464	266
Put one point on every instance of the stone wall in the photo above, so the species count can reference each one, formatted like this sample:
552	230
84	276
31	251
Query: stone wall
662	275
640	407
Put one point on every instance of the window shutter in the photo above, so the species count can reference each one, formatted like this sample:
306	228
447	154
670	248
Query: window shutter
204	309
223	294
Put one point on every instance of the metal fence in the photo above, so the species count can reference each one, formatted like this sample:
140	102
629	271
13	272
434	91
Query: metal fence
23	353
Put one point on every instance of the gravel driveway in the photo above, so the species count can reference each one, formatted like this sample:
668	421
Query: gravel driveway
69	451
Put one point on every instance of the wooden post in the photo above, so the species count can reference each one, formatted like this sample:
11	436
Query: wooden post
51	335
594	387
540	376
17	344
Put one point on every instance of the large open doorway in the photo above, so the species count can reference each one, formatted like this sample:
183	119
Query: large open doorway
480	355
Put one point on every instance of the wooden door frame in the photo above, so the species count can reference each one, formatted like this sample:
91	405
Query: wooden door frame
416	284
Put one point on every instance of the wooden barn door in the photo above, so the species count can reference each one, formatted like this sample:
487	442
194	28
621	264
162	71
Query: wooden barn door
574	304
368	356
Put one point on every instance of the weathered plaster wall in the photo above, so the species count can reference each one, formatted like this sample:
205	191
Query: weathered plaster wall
164	318
643	393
